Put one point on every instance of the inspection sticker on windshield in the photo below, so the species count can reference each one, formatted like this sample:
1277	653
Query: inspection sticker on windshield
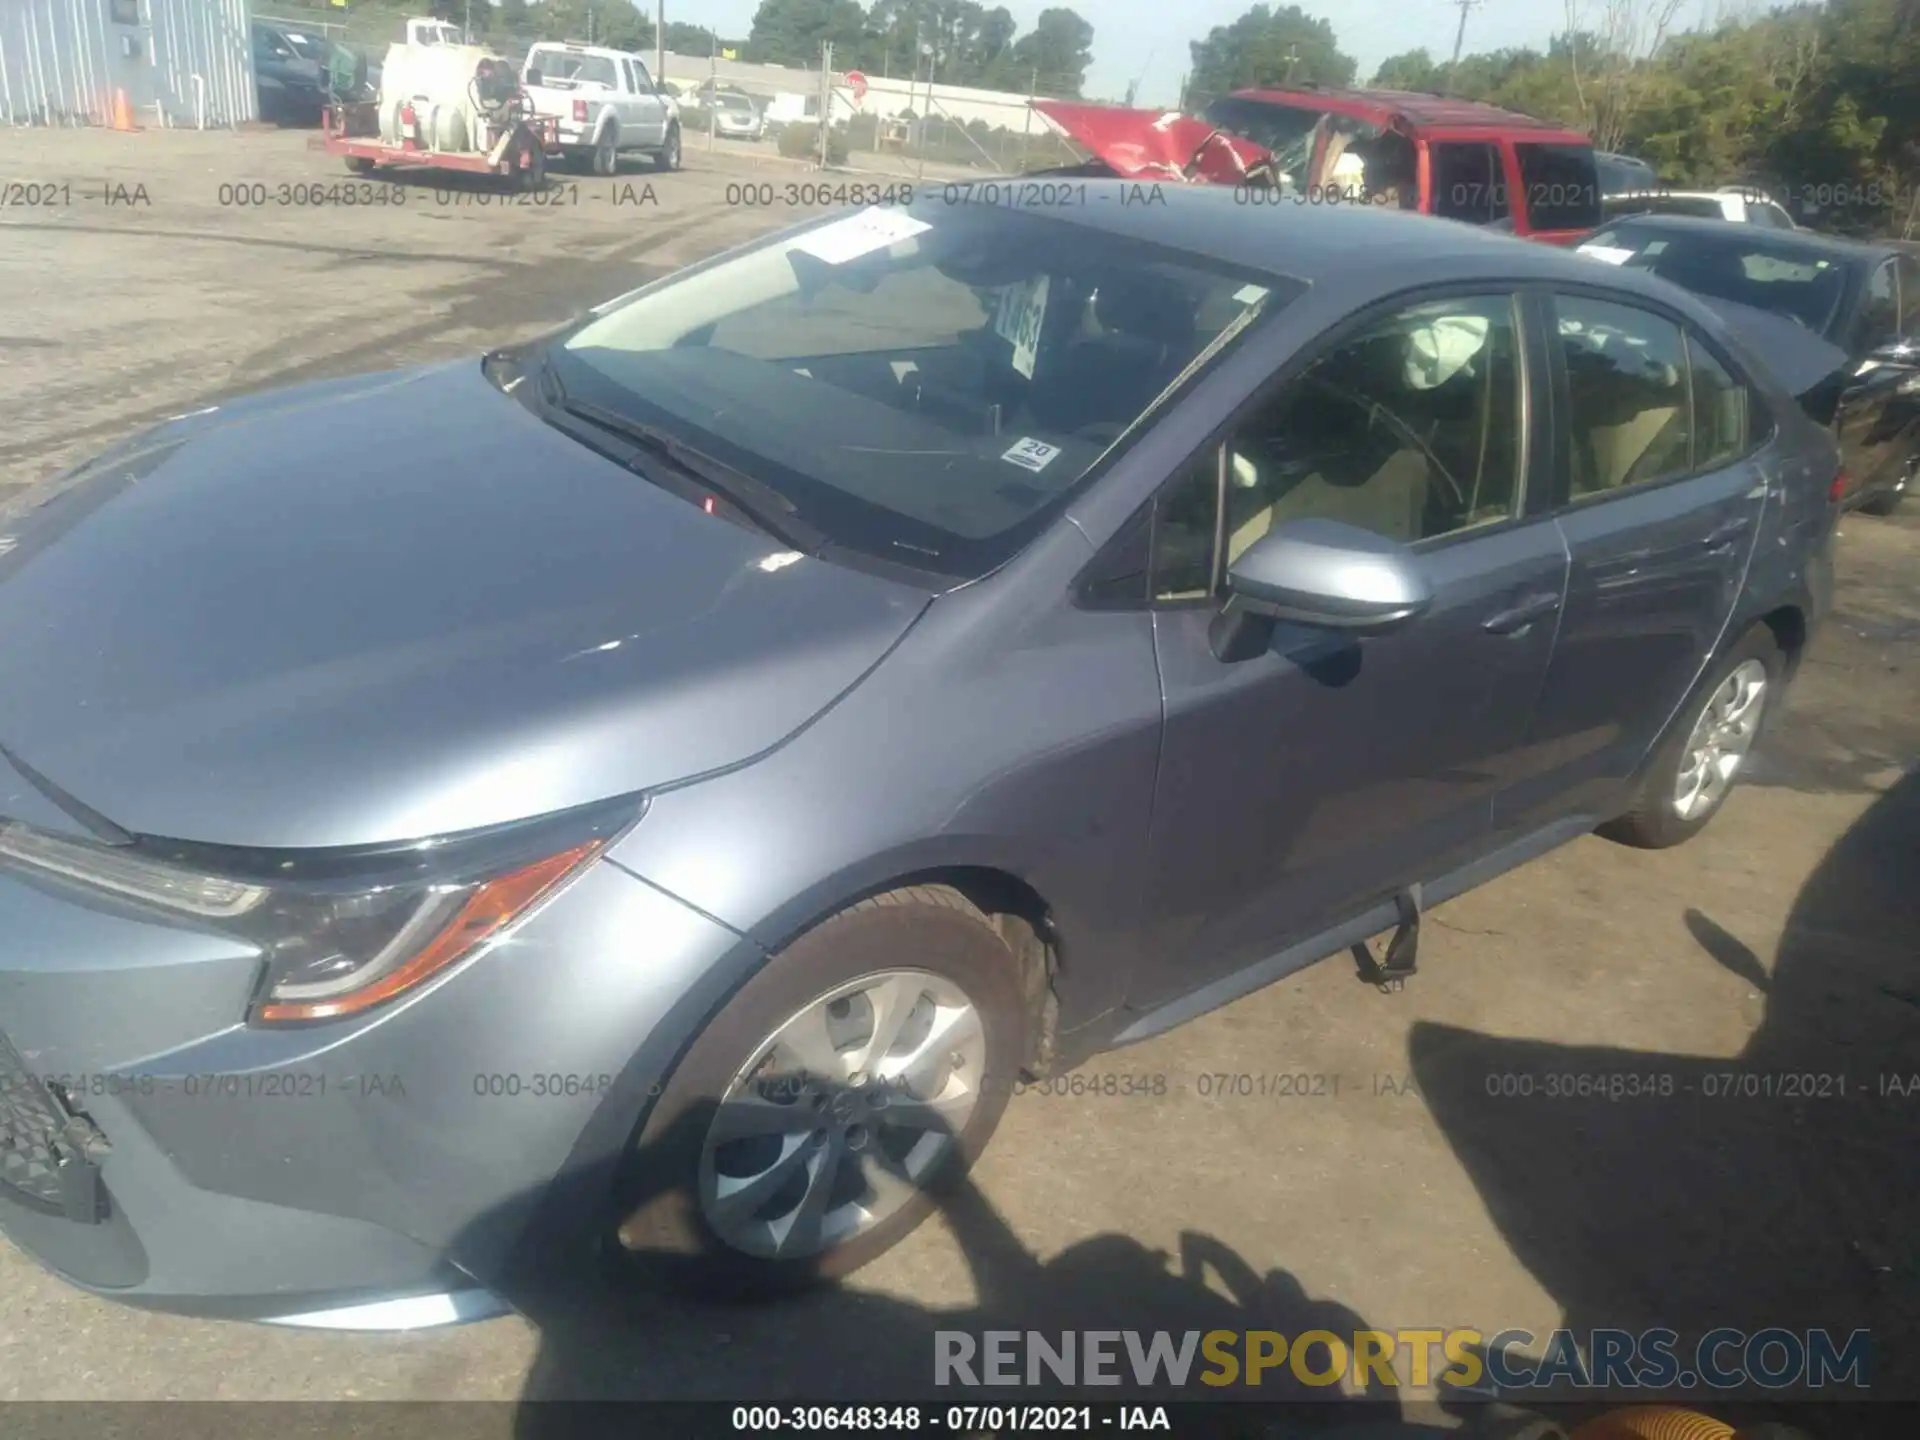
1250	294
874	228
1612	254
1017	319
1031	454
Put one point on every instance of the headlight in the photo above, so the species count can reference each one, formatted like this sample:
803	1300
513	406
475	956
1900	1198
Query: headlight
342	932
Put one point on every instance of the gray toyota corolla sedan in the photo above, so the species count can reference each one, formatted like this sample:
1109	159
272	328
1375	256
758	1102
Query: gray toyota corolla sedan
649	793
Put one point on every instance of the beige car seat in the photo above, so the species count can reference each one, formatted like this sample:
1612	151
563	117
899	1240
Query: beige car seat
1363	472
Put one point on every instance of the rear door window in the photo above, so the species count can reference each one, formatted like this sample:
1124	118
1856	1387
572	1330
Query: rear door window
1560	186
1469	183
1722	428
1630	420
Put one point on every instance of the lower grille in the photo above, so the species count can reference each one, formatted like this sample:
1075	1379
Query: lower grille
48	1151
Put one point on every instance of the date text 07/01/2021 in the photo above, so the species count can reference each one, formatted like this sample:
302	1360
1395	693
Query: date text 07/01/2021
951	1419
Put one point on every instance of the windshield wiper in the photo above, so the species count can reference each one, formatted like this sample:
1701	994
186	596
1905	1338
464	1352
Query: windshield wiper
755	500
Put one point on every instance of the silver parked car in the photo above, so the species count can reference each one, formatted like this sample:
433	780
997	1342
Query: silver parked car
650	792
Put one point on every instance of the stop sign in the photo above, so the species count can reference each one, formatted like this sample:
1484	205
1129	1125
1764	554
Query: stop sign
857	83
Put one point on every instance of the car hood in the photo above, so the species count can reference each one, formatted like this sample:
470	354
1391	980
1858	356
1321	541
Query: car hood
373	610
1155	144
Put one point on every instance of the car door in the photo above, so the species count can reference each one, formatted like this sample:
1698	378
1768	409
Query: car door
1301	785
1660	489
1867	425
649	110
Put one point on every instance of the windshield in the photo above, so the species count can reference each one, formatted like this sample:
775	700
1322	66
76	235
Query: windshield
1286	130
1782	279
925	385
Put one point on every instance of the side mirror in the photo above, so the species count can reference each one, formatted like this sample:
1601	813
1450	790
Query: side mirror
1321	573
532	78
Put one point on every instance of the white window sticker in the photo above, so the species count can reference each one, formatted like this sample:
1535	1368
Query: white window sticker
1612	254
1250	294
1018	319
1031	454
875	228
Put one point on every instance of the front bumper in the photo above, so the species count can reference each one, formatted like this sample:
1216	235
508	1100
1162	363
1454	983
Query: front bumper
299	1174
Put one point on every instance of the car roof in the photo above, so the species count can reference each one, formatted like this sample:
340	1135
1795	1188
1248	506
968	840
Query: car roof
1362	248
1802	242
1416	106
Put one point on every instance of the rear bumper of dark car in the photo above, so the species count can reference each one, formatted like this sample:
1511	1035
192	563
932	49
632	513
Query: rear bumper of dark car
163	1153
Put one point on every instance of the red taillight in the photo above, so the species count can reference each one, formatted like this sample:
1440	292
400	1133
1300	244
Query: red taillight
1837	491
580	110
407	117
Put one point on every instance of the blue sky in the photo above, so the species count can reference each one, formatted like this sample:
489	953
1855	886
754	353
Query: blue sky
1149	37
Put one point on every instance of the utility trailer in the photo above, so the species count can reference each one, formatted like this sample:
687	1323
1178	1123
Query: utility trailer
443	105
517	154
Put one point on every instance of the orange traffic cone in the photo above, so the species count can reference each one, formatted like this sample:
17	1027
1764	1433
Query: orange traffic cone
123	112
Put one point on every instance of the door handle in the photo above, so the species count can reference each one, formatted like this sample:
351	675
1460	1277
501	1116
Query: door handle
1517	618
1722	536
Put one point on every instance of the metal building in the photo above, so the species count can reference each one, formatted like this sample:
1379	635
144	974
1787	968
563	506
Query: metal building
178	62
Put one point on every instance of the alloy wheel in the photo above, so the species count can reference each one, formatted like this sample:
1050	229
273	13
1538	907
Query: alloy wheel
842	1114
1720	740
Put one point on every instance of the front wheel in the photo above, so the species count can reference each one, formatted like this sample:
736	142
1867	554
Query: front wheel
813	1122
668	156
359	165
1693	771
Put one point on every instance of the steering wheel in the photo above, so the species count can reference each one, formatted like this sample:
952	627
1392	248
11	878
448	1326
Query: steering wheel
1378	414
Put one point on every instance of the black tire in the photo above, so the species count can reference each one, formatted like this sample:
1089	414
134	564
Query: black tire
605	159
527	160
1652	823
658	1228
359	165
1883	504
668	155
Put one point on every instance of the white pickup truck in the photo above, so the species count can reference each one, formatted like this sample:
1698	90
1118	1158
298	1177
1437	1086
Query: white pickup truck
603	102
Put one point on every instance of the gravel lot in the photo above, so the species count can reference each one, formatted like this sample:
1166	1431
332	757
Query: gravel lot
1785	940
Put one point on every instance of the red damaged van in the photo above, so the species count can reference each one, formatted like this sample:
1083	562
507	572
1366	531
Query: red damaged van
1457	159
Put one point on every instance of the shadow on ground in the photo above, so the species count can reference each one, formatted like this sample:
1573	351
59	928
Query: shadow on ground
645	1340
1773	1189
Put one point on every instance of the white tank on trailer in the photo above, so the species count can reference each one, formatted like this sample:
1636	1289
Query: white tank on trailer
433	71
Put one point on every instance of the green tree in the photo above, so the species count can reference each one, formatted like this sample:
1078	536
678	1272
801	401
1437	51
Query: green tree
1415	70
1266	46
1058	49
616	24
791	32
